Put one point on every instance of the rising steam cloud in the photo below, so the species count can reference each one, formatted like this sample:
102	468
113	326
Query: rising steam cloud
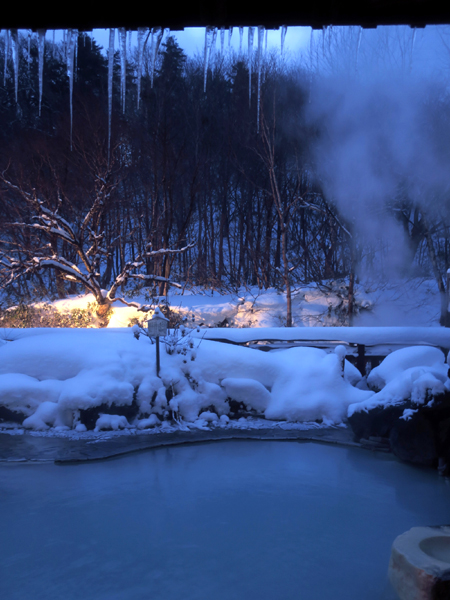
384	139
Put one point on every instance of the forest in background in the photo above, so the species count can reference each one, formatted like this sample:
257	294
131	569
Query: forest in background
189	168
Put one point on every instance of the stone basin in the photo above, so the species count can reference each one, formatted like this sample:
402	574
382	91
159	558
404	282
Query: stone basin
437	547
419	568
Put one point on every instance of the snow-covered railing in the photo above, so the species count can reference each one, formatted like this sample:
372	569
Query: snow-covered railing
364	344
368	336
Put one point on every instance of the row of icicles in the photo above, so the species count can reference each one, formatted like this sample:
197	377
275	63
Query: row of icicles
145	36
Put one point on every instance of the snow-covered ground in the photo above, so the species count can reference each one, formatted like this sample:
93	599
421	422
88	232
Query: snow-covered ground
412	302
50	375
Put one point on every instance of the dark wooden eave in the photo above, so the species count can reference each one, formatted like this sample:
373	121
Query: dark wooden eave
226	13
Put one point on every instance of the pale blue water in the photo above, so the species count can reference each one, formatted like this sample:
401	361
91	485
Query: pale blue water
224	521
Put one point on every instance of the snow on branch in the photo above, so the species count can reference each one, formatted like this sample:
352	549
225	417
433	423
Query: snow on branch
163	251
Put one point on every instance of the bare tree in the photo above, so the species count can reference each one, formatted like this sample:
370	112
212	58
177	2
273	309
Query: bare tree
85	239
282	208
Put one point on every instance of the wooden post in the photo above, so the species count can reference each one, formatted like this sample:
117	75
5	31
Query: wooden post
447	314
158	365
361	359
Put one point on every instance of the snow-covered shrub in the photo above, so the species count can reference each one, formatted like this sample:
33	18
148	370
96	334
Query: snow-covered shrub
46	315
177	341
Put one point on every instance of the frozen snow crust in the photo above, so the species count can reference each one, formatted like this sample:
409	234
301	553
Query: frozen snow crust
105	379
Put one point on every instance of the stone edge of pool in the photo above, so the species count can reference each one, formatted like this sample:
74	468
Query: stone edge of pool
29	449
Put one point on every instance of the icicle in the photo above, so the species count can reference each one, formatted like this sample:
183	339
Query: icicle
140	36
29	52
358	44
155	47
241	35
207	53
75	55
15	51
64	44
230	33
222	39
72	35
260	55
41	48
166	35
123	63
265	55
311	41
150	56
129	43
412	48
324	31
283	37
213	45
110	86
6	54
53	48
251	33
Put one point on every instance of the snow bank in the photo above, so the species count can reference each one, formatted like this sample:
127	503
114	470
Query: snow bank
51	376
310	386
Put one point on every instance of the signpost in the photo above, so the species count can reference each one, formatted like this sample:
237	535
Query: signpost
157	326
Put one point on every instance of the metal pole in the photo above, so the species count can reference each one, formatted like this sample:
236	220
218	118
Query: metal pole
157	356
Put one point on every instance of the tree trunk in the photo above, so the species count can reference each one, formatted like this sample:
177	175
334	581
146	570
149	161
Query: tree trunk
351	283
444	319
286	278
102	313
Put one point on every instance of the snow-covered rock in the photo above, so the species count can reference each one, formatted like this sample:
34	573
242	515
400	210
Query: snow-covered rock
397	362
248	391
114	422
152	421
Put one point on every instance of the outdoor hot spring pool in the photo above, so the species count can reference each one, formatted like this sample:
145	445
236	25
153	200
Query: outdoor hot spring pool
228	520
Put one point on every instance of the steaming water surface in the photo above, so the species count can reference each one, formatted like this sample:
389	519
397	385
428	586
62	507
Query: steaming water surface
229	520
